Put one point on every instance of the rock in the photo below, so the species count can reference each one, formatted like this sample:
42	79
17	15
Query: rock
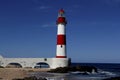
1	67
31	78
113	78
60	70
89	69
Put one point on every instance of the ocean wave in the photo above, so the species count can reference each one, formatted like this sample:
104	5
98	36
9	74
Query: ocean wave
106	73
101	74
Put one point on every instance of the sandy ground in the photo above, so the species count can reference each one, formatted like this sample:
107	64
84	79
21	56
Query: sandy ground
11	73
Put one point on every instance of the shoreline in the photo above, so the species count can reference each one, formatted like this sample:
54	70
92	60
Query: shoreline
21	73
12	73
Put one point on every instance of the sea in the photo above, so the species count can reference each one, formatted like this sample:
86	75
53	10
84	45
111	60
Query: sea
105	70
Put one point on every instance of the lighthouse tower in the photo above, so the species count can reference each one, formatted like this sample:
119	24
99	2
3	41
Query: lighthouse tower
61	35
61	59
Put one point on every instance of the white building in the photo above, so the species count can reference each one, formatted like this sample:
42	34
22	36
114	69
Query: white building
33	62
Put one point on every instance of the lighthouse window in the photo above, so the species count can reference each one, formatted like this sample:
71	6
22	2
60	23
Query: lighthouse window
45	59
61	46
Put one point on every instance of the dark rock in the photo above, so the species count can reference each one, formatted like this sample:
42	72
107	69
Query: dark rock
31	78
17	79
59	70
42	78
1	67
113	78
75	68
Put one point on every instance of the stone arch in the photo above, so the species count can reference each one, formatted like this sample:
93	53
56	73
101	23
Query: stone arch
42	65
14	65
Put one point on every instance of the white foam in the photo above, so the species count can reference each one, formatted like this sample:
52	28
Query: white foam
107	73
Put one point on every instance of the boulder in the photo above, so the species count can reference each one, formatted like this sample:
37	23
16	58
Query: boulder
75	68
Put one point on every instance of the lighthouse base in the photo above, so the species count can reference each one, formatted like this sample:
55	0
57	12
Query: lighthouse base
60	62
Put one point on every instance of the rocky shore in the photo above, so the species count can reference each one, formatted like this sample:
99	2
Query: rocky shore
17	73
31	78
24	73
89	69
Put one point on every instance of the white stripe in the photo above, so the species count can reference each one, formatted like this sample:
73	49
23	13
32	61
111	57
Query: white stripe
61	50
61	29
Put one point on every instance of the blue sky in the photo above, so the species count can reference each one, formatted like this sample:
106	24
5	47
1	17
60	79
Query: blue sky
28	29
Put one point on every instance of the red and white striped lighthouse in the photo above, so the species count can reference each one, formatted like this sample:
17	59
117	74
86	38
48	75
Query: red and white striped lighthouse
61	35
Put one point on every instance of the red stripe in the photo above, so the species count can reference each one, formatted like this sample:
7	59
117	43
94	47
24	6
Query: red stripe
61	39
61	20
60	56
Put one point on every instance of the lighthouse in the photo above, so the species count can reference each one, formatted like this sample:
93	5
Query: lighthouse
61	59
61	35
